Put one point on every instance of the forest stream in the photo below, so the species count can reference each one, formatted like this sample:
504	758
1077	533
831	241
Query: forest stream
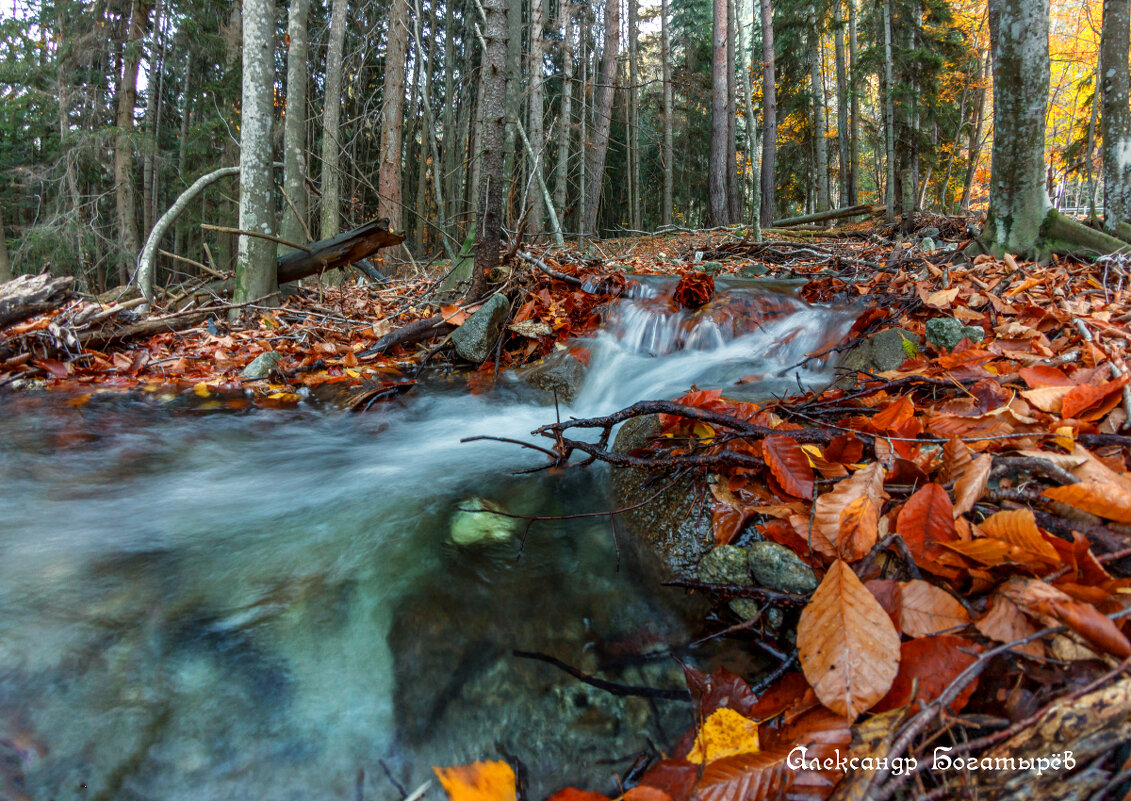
269	605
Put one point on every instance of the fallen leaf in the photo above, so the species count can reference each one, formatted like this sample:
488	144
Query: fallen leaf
725	733
479	781
848	647
927	609
866	482
1104	500
970	483
927	667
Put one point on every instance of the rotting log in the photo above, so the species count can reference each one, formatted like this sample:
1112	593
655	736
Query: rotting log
413	332
836	214
28	295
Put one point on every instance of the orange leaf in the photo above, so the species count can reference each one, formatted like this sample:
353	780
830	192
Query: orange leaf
1048	399
725	733
1018	527
859	529
1106	500
1052	606
789	464
746	777
927	519
1005	622
866	482
899	412
643	792
927	666
970	483
479	781
574	794
928	609
848	647
1085	396
1044	376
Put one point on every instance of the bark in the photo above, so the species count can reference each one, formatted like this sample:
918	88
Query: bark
667	154
565	128
255	265
841	102
734	185
182	141
293	227
634	194
152	105
537	208
429	124
889	117
27	295
513	99
1089	160
769	114
123	140
820	143
748	134
392	118
974	145
825	216
602	115
147	263
494	83
718	212
583	155
331	118
854	111
1019	32
1115	119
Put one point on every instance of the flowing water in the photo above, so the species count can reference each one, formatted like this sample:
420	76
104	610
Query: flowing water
268	606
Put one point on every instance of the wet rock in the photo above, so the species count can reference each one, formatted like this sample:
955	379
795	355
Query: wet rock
672	530
756	270
946	332
262	365
926	244
728	564
776	567
929	233
559	372
882	351
710	267
475	523
476	338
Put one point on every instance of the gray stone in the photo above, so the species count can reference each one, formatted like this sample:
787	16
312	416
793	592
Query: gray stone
725	564
262	365
776	567
926	244
890	348
929	233
475	523
475	339
946	332
711	267
460	271
756	270
559	373
671	532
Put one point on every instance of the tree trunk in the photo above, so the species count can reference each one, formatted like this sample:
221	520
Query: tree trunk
255	266
152	100
583	144
734	185
636	216
1089	153
1019	32
974	145
841	103
820	143
769	114
718	212
332	111
889	118
602	115
293	228
511	155
182	141
125	203
854	112
392	118
494	81
536	215
666	66
1115	120
5	263
565	121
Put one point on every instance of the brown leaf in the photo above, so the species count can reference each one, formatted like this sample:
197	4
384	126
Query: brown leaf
1005	622
1105	500
844	448
970	483
859	529
866	482
789	464
848	646
927	667
1052	606
899	412
1018	528
1087	396
926	520
928	609
746	777
890	597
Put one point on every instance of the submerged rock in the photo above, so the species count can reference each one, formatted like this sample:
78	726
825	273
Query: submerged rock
475	523
559	372
946	332
476	338
673	529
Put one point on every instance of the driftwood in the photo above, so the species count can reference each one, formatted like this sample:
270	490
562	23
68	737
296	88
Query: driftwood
835	214
28	295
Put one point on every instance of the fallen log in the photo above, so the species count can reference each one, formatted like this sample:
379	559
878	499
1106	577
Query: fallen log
836	214
413	332
28	295
337	251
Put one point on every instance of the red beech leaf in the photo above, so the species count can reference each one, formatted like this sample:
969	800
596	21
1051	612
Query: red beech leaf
927	666
789	464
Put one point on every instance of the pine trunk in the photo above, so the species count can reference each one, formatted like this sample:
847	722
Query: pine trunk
331	120
820	143
734	185
841	103
889	117
854	112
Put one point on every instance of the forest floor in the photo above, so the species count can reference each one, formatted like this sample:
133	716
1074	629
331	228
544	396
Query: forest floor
966	510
